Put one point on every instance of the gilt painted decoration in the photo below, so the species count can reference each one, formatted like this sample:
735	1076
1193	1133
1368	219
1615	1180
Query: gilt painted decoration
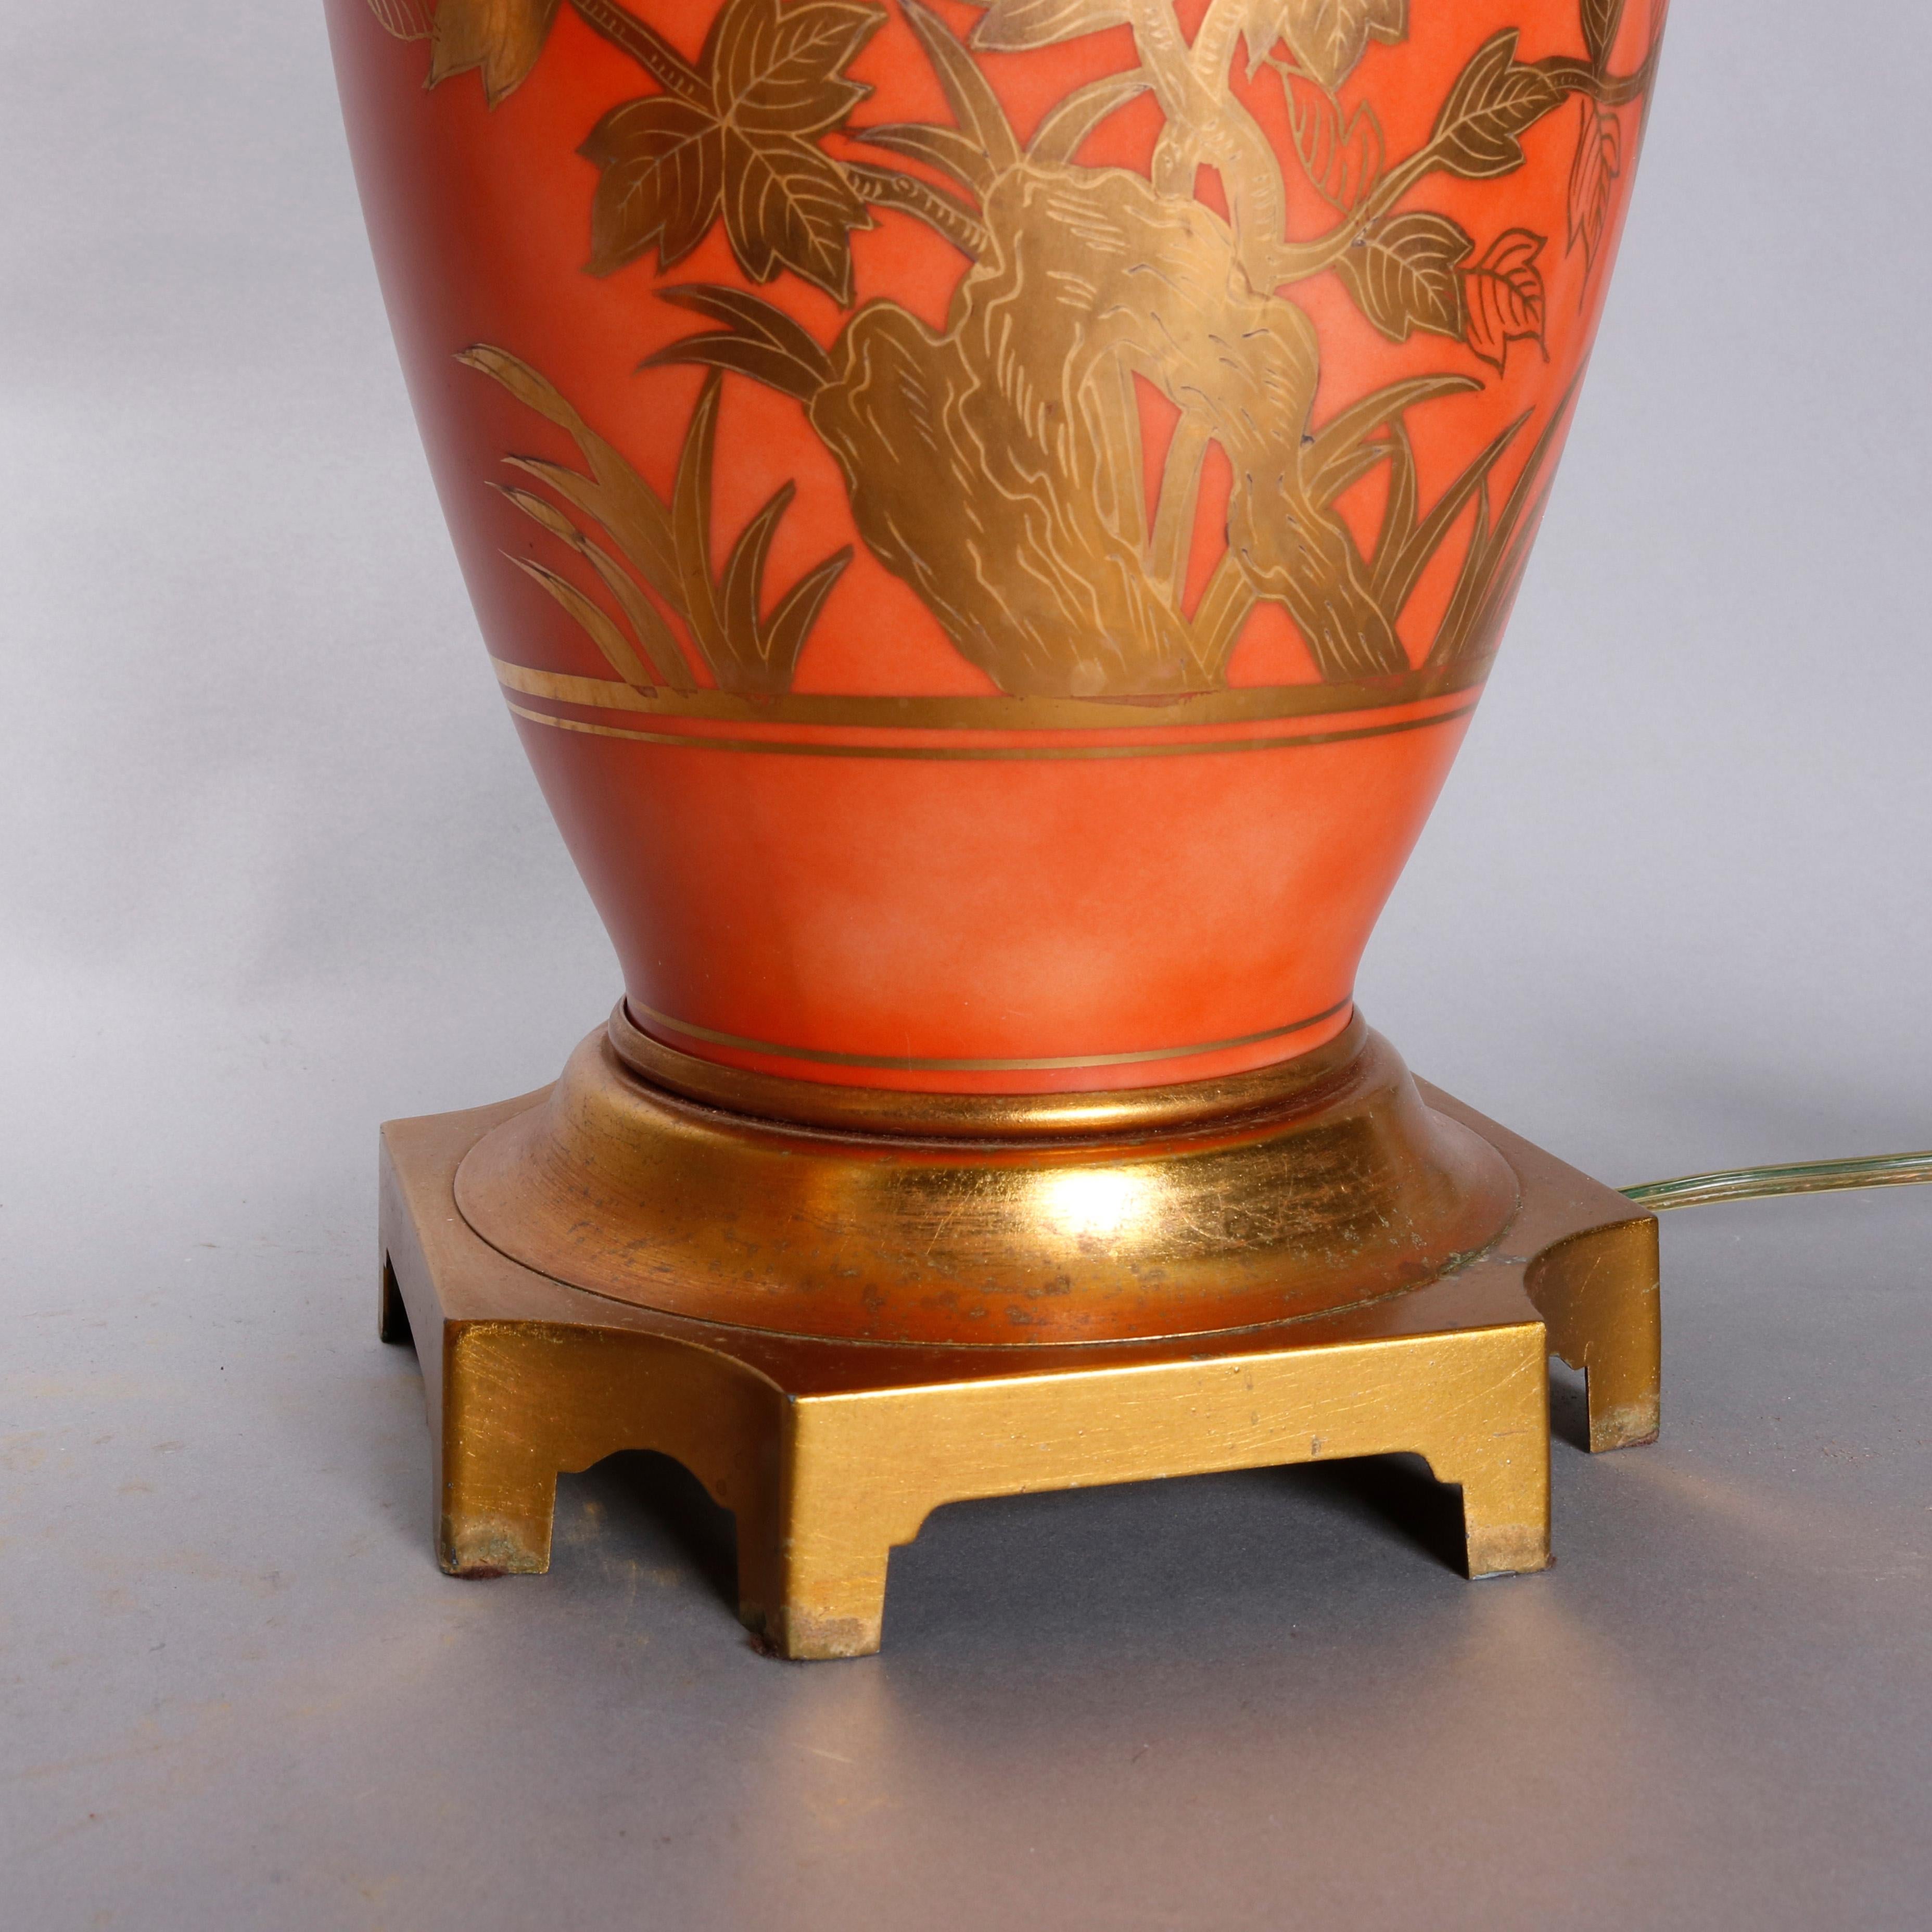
1148	383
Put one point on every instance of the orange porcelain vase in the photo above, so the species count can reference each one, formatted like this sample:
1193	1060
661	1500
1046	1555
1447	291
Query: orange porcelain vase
992	520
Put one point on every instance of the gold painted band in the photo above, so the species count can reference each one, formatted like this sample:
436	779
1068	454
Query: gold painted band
1247	704
897	1063
793	748
819	1103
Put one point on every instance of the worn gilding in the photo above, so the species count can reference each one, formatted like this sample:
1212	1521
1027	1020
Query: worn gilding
830	1453
1336	1186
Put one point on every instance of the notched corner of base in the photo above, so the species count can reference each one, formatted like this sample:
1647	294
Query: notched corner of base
1513	1552
1630	1425
478	1555
804	1639
392	1324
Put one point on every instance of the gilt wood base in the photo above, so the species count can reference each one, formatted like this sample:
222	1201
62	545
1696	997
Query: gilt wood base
830	1453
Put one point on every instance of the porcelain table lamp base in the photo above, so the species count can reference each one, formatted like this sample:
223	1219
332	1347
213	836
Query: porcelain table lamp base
833	1436
991	519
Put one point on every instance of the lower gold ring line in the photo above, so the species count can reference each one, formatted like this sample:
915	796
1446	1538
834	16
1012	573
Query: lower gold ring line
903	1063
794	748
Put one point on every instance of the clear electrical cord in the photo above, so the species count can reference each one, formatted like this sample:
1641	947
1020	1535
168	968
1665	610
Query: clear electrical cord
1806	1176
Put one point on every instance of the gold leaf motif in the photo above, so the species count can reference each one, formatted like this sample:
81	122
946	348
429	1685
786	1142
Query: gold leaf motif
1327	37
1011	26
1593	175
787	206
661	184
1506	296
1341	155
737	138
502	37
1402	274
1494	101
1601	19
777	69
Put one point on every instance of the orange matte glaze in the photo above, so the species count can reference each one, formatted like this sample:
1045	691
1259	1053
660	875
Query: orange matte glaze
1005	896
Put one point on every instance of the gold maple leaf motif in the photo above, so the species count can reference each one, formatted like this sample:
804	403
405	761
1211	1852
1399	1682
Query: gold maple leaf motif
735	135
1327	37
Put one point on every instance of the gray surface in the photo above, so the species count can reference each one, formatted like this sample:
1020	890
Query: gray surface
274	870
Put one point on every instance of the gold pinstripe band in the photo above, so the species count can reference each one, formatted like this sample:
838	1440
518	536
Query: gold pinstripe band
904	1063
794	748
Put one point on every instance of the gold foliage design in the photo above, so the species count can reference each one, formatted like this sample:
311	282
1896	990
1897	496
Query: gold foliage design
1593	176
501	38
995	463
736	139
1506	296
664	546
1327	37
1601	19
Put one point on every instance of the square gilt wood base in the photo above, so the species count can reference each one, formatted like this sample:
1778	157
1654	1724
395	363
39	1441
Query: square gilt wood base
830	1453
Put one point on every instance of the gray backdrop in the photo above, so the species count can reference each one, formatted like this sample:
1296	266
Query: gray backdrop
274	870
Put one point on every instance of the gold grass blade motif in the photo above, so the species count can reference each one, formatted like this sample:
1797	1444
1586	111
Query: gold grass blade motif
659	650
1404	547
1062	128
945	148
668	546
975	106
602	632
1493	565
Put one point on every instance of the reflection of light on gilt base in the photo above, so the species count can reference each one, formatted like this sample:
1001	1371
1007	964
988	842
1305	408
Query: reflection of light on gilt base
1093	1202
